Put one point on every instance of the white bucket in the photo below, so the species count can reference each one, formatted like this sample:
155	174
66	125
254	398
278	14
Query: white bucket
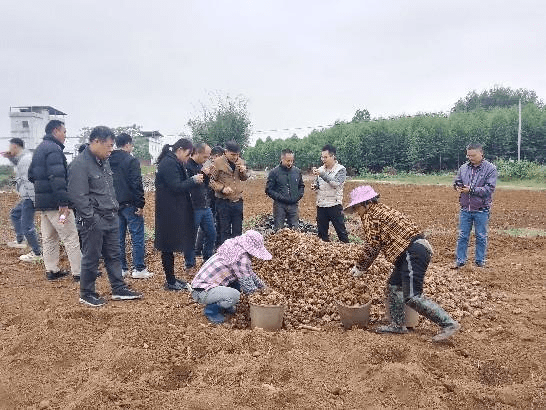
267	317
354	315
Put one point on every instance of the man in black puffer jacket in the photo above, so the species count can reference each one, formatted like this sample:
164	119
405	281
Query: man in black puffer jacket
48	173
285	186
130	195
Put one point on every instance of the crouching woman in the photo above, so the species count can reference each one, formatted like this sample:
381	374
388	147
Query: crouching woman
228	272
403	244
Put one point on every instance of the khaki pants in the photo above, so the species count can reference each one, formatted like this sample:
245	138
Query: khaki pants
52	233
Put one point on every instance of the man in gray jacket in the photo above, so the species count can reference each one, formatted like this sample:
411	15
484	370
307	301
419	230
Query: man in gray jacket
329	183
91	191
22	215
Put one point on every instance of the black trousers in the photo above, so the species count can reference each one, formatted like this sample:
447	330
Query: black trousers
332	214
409	270
230	218
101	239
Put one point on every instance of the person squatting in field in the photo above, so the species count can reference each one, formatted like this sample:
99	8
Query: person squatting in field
403	244
222	278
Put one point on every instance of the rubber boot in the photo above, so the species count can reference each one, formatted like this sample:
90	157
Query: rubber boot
230	310
395	299
213	313
434	312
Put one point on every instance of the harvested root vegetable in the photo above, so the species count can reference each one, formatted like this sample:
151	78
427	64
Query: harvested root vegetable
267	296
313	276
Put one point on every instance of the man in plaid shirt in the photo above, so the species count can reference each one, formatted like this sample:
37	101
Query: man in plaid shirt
222	277
403	244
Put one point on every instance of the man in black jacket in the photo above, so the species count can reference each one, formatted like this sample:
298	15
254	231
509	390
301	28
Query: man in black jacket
91	190
200	199
48	173
130	196
285	186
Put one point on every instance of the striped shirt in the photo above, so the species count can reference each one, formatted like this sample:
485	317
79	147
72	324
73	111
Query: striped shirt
215	272
386	230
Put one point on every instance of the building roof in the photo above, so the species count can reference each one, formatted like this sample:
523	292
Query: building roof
38	108
151	134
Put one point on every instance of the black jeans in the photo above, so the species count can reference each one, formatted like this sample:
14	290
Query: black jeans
101	239
409	270
288	212
335	215
230	217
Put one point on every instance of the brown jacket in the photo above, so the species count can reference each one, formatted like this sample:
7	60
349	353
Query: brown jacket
223	176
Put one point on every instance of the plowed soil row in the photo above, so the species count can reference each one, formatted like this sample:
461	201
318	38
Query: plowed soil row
160	352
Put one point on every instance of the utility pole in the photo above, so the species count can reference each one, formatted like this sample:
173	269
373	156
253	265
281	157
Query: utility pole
519	132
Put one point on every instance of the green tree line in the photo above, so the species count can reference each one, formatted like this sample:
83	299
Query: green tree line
425	142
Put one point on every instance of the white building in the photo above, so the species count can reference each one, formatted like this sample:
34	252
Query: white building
155	143
28	123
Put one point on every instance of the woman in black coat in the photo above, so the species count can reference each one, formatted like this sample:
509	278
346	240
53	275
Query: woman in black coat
174	226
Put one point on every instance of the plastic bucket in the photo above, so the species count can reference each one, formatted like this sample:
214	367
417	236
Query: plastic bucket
267	317
354	315
412	317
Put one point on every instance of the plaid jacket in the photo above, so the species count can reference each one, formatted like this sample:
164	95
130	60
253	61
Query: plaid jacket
385	230
215	272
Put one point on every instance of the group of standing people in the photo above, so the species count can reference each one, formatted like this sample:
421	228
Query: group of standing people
91	204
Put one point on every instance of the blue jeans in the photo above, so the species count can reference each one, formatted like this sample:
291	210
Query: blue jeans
22	218
225	296
203	218
135	223
480	220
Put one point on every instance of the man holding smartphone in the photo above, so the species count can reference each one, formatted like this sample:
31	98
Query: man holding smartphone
475	182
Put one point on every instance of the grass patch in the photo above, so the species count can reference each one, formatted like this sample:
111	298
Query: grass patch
148	169
522	232
445	179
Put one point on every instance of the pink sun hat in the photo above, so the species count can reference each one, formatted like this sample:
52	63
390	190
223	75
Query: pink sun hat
358	195
253	243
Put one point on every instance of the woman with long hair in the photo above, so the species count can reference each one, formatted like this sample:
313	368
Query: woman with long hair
174	226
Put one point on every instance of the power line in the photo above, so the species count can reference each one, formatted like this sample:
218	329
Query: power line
293	128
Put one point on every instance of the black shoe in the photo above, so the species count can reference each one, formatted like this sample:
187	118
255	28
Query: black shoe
480	264
177	286
56	275
93	299
126	294
76	278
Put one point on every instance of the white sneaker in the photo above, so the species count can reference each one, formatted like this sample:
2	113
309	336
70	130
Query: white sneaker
18	245
124	272
142	274
30	257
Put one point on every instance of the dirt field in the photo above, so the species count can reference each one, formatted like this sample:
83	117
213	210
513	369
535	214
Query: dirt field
160	352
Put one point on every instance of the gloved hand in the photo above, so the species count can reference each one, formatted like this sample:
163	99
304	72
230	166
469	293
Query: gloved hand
356	272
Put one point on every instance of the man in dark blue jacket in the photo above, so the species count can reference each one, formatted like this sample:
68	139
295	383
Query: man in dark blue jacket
48	173
91	190
285	186
130	196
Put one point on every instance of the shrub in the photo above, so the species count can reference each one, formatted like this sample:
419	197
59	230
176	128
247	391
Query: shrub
512	170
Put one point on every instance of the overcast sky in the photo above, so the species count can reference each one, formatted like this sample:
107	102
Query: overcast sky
299	63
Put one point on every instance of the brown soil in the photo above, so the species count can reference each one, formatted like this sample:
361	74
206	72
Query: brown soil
160	352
